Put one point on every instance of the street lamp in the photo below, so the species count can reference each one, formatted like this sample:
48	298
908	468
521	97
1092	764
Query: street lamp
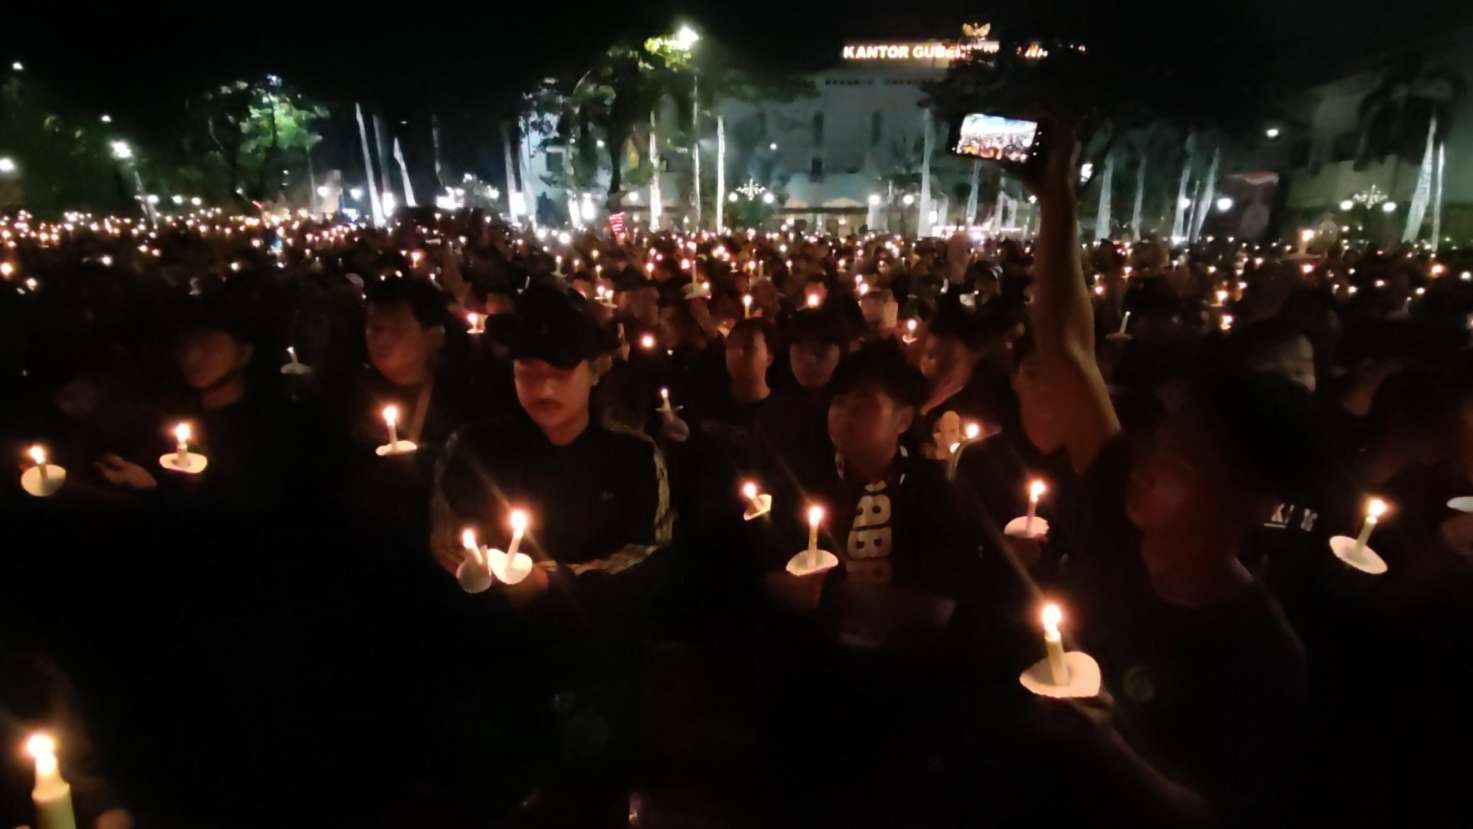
7	164
874	198
121	150
1388	207
686	38
1347	205
908	200
1271	133
1224	204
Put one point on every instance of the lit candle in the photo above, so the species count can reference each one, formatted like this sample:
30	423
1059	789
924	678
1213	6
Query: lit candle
38	454
52	795
665	400
519	521
813	301
182	435
1374	510
1053	644
1035	489
291	354
973	430
746	305
391	417
647	342
1124	321
475	322
815	517
750	492
910	331
472	546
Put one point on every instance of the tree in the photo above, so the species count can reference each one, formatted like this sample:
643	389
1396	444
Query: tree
1394	115
60	152
248	130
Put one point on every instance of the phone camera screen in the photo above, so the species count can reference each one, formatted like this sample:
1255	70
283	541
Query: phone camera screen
996	138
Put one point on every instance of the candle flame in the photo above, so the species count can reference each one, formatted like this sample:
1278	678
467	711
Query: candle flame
665	393
468	539
813	300
1052	616
38	454
519	520
747	300
647	341
910	325
973	430
815	515
1376	508
749	490
41	746
1036	489
391	415
182	433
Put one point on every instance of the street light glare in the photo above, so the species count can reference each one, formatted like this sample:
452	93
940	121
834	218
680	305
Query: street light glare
7	165
686	38
121	150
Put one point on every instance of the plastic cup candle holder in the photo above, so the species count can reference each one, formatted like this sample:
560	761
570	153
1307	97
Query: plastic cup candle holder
759	503
181	459
474	573
42	479
1462	503
512	566
293	366
395	446
812	561
1354	551
1060	674
1030	526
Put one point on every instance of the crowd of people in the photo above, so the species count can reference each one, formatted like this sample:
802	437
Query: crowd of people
299	633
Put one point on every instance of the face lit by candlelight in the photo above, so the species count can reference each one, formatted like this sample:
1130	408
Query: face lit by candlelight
747	355
400	347
814	362
210	359
556	399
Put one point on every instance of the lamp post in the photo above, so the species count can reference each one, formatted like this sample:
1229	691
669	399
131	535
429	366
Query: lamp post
122	152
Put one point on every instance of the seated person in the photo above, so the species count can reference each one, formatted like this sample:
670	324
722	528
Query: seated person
794	423
598	498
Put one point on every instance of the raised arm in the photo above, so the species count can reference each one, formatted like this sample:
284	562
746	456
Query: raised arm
1062	314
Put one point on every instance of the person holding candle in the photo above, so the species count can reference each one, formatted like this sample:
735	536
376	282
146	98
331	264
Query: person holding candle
1160	581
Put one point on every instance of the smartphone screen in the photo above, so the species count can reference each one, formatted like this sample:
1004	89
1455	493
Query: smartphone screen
996	138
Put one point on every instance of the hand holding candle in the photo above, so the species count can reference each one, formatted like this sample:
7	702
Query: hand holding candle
52	795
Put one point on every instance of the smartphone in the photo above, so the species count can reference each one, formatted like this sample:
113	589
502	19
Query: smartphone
995	138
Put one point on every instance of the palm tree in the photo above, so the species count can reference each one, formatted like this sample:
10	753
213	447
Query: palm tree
1394	116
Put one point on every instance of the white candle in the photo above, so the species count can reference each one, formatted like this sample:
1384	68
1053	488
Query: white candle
291	354
518	528
38	454
665	400
391	417
1053	644
815	517
1124	321
750	492
472	546
1374	510
182	435
1035	489
52	795
746	305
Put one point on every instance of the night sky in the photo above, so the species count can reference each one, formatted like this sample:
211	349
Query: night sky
467	61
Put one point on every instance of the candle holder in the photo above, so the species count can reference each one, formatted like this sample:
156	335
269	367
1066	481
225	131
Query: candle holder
473	576
189	463
1084	677
398	447
1463	503
296	369
759	509
811	562
1119	337
1033	529
1363	559
43	486
511	569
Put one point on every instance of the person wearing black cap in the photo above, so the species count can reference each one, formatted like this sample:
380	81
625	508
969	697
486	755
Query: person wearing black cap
598	497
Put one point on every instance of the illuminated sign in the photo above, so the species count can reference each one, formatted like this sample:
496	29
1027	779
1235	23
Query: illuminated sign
938	51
